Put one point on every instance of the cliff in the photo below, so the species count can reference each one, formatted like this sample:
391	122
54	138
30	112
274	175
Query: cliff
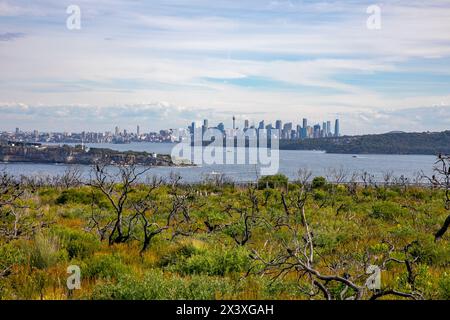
37	153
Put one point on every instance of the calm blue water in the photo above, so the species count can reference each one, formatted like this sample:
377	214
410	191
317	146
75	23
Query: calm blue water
290	162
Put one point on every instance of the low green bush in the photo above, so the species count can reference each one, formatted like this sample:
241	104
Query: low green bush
320	195
82	196
214	262
79	244
156	286
45	251
12	254
105	266
444	286
319	182
275	181
387	210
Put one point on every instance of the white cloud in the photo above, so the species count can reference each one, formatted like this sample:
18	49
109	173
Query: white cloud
164	51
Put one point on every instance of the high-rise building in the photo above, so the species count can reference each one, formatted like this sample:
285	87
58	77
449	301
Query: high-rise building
324	129
116	131
261	125
246	124
304	133
305	123
299	132
221	127
316	131
234	123
138	131
336	128
287	128
205	126
328	128
278	124
192	127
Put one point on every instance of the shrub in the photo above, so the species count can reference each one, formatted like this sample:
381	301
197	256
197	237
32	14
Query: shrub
79	244
386	210
320	195
181	253
275	181
444	287
386	194
82	196
11	254
216	261
155	286
417	193
44	251
106	266
319	182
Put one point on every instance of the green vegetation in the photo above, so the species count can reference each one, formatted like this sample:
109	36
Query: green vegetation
277	239
389	143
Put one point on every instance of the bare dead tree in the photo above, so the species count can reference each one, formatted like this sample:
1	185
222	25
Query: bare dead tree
15	218
367	179
303	176
146	210
241	228
409	262
336	176
387	177
296	253
10	189
117	187
70	178
441	180
352	185
292	252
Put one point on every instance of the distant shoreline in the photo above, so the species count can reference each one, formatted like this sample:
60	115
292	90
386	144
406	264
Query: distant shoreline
398	143
19	152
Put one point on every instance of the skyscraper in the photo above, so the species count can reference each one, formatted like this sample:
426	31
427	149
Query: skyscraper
324	129
287	128
261	125
305	123
316	131
299	131
278	124
336	128
246	123
328	128
116	131
138	131
205	126
234	123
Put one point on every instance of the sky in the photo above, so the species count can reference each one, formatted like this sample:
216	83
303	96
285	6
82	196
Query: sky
165	63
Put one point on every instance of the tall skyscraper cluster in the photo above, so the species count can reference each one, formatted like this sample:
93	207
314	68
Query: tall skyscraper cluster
286	131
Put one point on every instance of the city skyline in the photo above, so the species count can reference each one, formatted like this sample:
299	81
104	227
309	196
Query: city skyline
166	62
286	131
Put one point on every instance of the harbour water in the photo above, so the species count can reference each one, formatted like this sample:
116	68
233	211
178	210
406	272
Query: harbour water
319	163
